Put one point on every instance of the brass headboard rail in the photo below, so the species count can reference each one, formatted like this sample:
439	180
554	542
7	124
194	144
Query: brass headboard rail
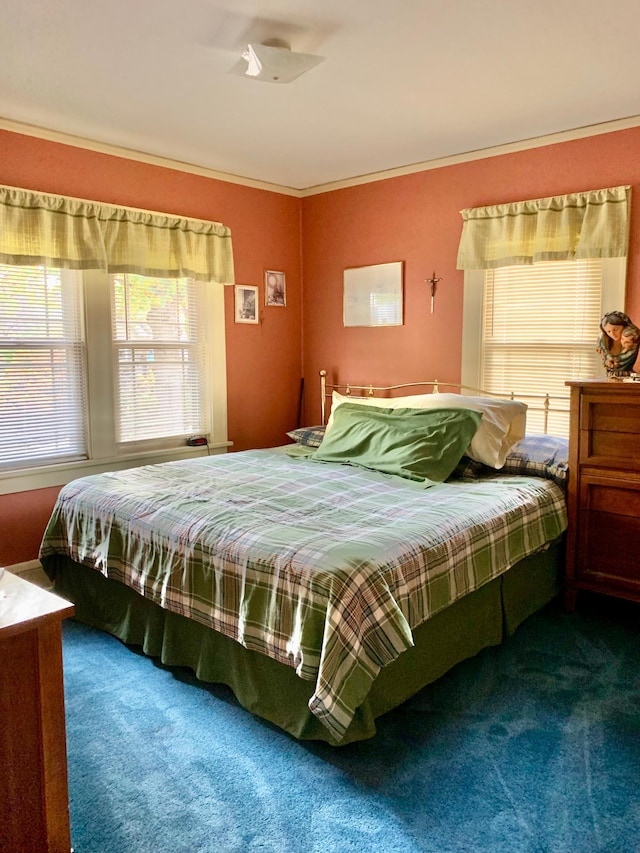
537	402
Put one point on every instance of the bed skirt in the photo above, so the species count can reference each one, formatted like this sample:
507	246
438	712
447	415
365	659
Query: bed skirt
272	690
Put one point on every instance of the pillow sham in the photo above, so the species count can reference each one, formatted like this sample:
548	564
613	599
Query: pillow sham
417	444
503	421
308	436
541	456
545	456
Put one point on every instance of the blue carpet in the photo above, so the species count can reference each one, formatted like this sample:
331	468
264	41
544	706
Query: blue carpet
533	746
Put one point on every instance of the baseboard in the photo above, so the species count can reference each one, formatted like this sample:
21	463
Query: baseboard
31	571
21	568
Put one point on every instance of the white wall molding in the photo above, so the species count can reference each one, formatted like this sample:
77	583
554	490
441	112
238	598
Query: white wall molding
480	154
427	165
139	156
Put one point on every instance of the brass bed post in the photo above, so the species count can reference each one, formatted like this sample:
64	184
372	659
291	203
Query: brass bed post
546	414
323	392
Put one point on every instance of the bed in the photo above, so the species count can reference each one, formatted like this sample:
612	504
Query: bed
326	581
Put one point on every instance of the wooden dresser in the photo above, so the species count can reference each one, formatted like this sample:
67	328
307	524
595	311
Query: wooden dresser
603	539
34	800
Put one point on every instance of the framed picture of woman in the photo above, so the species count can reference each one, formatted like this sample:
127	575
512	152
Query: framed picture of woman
275	292
246	303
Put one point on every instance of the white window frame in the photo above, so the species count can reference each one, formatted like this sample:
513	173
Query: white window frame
103	451
614	272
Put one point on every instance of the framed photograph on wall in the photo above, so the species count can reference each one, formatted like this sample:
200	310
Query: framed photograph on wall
246	301
275	290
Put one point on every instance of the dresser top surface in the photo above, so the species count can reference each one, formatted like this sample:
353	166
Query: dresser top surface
602	384
22	602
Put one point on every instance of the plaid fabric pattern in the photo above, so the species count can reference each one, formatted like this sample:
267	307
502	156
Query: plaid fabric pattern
308	436
323	567
534	456
469	469
540	456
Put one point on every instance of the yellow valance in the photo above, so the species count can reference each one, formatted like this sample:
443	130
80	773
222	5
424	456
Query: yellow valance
593	224
39	228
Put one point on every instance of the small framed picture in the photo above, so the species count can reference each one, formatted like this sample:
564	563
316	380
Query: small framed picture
275	291
246	296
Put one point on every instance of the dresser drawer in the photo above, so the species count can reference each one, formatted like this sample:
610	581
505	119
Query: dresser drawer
601	413
610	430
610	492
609	530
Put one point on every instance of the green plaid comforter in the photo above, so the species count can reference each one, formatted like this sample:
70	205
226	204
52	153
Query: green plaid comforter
323	567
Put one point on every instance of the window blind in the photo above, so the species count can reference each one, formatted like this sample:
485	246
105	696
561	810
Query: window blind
159	362
539	329
42	366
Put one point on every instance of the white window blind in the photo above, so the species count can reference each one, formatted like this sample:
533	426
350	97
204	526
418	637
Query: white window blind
539	328
42	367
159	358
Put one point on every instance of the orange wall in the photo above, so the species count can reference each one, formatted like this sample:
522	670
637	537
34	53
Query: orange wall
263	361
23	518
416	219
413	218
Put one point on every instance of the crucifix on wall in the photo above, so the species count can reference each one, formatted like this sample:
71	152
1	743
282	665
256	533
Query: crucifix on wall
432	283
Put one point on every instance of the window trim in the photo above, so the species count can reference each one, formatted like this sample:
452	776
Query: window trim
613	296
103	452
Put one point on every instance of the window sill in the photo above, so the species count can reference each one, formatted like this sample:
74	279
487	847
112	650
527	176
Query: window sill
43	477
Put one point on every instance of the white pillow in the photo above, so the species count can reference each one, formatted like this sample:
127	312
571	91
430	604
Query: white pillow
503	422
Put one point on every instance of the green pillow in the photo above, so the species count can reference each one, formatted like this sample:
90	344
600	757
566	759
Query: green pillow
418	444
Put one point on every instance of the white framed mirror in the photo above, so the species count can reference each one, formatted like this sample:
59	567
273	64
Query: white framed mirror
373	295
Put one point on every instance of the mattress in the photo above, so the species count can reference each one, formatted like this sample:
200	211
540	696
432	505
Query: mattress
327	570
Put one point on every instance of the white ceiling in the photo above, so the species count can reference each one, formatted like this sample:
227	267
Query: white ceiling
403	82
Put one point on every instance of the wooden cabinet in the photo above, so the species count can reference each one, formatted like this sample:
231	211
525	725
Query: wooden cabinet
34	800
603	539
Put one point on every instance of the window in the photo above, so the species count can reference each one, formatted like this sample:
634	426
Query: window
528	329
101	371
42	367
159	360
539	274
111	353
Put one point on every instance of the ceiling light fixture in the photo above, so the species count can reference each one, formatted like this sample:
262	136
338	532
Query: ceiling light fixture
275	63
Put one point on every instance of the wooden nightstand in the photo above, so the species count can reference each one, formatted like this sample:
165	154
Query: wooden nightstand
34	800
603	538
